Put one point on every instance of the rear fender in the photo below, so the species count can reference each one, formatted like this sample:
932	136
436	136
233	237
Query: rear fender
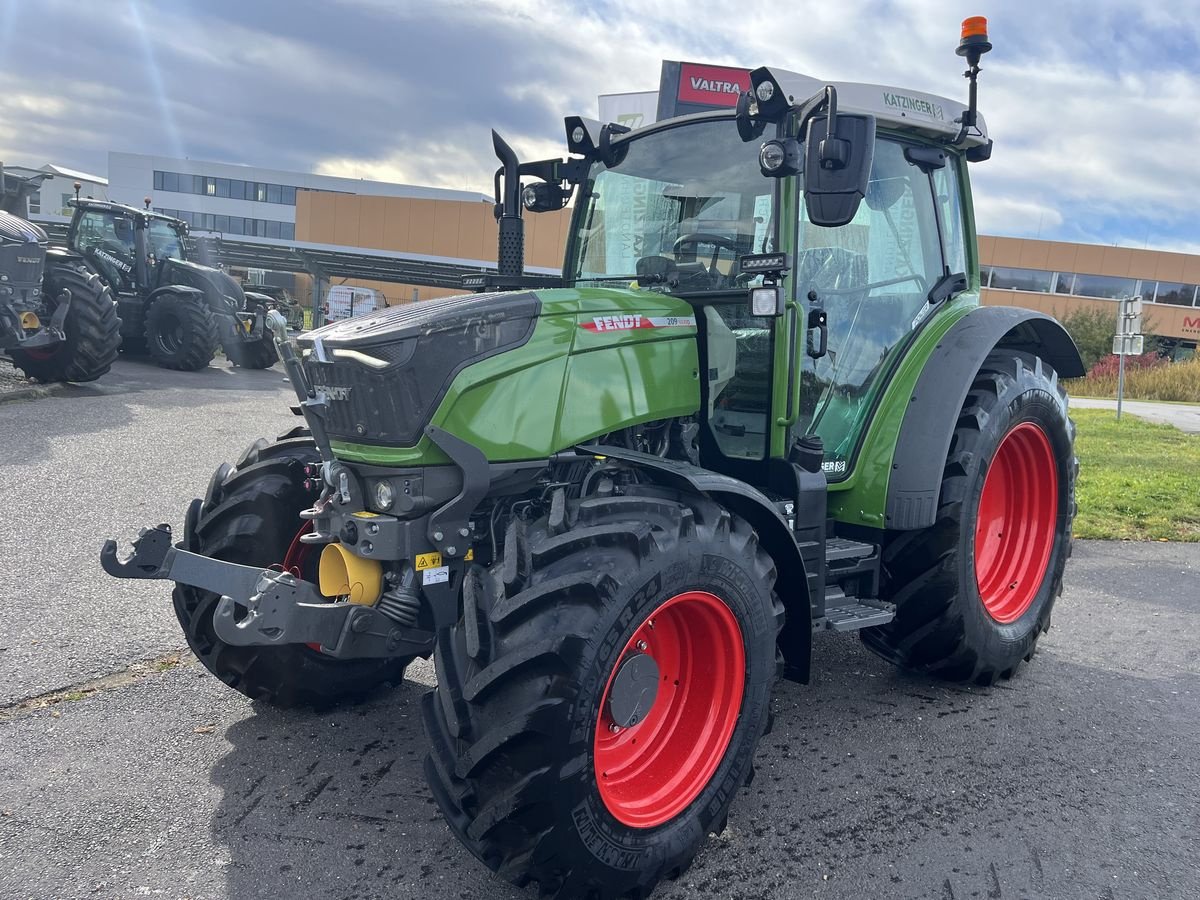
791	583
924	440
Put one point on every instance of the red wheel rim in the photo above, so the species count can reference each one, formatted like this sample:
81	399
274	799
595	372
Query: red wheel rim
298	560
1014	532
649	772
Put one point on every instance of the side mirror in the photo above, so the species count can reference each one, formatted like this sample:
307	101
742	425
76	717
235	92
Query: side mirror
837	167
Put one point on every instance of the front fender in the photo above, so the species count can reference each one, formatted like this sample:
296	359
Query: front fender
774	536
924	439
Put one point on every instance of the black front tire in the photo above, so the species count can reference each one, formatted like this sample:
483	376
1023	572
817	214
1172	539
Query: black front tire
942	626
250	516
260	354
181	333
514	719
92	329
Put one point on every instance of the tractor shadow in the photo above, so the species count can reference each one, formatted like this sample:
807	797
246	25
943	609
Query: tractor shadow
873	783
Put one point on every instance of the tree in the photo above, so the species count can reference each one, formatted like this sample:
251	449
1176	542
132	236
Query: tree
1094	329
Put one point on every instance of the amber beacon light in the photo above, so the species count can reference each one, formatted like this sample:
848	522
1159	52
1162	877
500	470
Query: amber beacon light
974	41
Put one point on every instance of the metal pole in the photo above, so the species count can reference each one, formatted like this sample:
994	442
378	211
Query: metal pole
1121	377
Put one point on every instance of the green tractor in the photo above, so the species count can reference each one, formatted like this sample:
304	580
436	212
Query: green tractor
57	317
761	404
172	308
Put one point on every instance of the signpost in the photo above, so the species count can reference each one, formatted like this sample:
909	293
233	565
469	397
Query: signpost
1128	341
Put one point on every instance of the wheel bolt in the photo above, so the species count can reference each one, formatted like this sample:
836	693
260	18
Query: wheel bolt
650	623
614	728
641	645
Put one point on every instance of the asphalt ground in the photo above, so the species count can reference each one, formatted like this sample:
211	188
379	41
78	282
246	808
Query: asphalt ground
1184	416
1078	778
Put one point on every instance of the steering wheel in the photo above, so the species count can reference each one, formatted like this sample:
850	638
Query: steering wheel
702	237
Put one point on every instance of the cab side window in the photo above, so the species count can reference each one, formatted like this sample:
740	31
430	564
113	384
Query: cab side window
949	206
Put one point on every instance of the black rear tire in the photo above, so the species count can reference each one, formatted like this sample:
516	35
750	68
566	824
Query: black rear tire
250	516
180	333
92	329
260	354
513	721
942	626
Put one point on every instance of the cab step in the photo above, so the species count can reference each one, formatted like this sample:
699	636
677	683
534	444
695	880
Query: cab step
844	550
844	613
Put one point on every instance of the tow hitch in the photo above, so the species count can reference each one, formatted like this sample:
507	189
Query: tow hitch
266	606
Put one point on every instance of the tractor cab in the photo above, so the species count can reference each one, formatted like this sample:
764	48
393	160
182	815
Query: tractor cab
130	247
805	297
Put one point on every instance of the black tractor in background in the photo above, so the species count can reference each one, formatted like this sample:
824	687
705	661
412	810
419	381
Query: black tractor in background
58	321
171	308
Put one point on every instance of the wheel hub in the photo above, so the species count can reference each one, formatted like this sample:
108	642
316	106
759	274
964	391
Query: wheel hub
633	689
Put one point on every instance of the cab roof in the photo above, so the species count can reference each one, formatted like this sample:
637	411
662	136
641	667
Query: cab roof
893	107
110	206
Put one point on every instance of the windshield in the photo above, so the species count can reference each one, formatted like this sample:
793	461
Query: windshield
676	212
164	240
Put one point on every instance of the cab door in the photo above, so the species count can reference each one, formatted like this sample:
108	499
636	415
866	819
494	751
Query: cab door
106	239
873	279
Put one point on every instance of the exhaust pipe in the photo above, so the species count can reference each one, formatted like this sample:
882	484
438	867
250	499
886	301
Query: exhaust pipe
510	256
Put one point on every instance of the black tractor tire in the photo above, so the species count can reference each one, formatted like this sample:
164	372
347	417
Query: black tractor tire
943	627
522	679
92	329
180	333
260	354
250	516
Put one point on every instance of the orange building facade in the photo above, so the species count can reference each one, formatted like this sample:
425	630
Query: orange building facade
1050	276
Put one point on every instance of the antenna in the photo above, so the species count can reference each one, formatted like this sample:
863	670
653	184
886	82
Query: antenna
77	187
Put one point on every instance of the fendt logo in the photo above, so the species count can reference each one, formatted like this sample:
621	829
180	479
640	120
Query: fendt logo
712	85
333	392
28	260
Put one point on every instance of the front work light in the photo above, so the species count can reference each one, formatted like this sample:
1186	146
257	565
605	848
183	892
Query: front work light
779	158
385	495
766	301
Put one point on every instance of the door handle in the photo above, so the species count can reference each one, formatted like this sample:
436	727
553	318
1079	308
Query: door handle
818	321
791	406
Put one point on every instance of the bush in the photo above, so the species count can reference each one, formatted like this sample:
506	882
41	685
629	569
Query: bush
1160	380
1093	331
1110	366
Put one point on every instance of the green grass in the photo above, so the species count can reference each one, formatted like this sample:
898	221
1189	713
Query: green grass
1137	481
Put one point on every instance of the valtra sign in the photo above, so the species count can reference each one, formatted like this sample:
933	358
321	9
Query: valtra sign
711	85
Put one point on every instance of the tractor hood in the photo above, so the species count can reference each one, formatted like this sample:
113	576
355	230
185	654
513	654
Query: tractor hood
389	374
204	278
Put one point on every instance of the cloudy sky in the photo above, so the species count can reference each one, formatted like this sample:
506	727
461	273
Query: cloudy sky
1094	106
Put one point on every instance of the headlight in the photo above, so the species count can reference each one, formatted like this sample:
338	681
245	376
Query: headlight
384	495
771	157
765	91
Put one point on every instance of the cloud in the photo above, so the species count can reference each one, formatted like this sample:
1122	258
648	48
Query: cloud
1091	104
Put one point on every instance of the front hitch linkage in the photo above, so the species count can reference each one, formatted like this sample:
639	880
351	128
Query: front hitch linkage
265	606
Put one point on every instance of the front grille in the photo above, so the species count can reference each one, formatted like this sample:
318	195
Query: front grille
425	346
23	264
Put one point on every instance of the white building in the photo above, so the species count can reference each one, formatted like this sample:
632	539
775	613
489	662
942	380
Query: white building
50	200
239	200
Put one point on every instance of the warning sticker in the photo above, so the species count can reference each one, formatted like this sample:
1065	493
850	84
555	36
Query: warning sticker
631	321
425	561
440	575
